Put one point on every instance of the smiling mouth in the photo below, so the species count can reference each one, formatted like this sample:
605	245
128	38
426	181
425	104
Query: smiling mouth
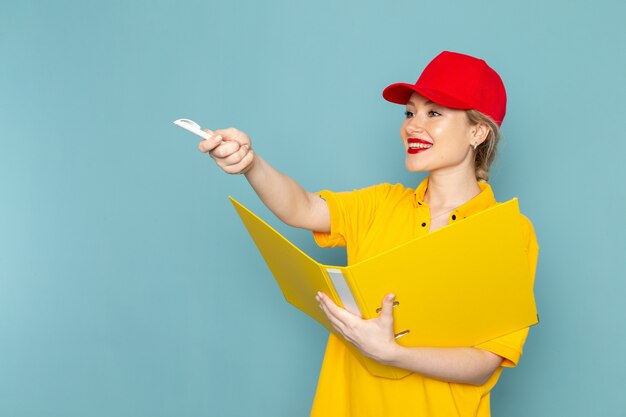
418	145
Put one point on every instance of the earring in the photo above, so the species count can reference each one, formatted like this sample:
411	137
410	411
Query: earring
475	145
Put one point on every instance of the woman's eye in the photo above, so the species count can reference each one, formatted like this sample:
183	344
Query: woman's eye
408	114
433	113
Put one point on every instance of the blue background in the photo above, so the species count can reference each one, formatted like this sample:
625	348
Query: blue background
128	286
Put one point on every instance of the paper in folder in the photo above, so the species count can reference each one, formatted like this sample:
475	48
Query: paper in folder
472	284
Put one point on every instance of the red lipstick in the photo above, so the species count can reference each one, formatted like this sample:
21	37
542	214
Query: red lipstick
417	145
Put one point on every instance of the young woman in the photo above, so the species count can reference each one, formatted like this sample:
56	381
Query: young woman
451	129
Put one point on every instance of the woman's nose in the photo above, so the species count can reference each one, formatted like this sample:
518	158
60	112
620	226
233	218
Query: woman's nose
414	125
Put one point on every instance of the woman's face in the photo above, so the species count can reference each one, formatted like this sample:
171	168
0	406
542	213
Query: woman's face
437	138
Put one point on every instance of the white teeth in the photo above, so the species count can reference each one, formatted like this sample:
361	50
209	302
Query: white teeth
419	145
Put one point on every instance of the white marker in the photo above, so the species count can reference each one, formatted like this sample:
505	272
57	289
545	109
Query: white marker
194	128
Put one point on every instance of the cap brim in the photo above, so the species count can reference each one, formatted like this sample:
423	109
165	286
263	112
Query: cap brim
400	93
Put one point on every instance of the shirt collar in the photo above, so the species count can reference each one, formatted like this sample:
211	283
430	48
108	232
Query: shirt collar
482	201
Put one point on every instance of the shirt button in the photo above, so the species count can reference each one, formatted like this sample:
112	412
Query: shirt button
454	217
423	224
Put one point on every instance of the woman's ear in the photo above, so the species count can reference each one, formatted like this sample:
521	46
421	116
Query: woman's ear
479	133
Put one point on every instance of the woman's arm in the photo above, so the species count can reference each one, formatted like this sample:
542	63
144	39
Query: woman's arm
461	365
290	202
287	199
375	338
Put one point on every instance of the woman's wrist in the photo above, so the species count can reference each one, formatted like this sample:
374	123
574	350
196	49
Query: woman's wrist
392	355
248	170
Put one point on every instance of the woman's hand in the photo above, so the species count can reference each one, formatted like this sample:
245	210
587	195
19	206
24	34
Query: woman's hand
231	149
374	337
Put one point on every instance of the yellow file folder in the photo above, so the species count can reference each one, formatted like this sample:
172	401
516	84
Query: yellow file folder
460	285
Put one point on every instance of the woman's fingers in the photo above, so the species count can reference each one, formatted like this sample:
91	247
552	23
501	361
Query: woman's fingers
334	321
231	150
387	308
343	316
234	135
225	155
225	150
243	166
210	144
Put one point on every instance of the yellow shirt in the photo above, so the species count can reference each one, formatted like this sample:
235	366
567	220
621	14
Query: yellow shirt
370	221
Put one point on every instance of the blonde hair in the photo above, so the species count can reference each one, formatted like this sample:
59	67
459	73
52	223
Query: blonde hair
485	152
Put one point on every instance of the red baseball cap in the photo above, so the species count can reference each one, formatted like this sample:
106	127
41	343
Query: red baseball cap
457	81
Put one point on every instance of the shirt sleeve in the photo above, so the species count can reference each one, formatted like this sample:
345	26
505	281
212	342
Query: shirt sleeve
351	212
510	346
336	236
